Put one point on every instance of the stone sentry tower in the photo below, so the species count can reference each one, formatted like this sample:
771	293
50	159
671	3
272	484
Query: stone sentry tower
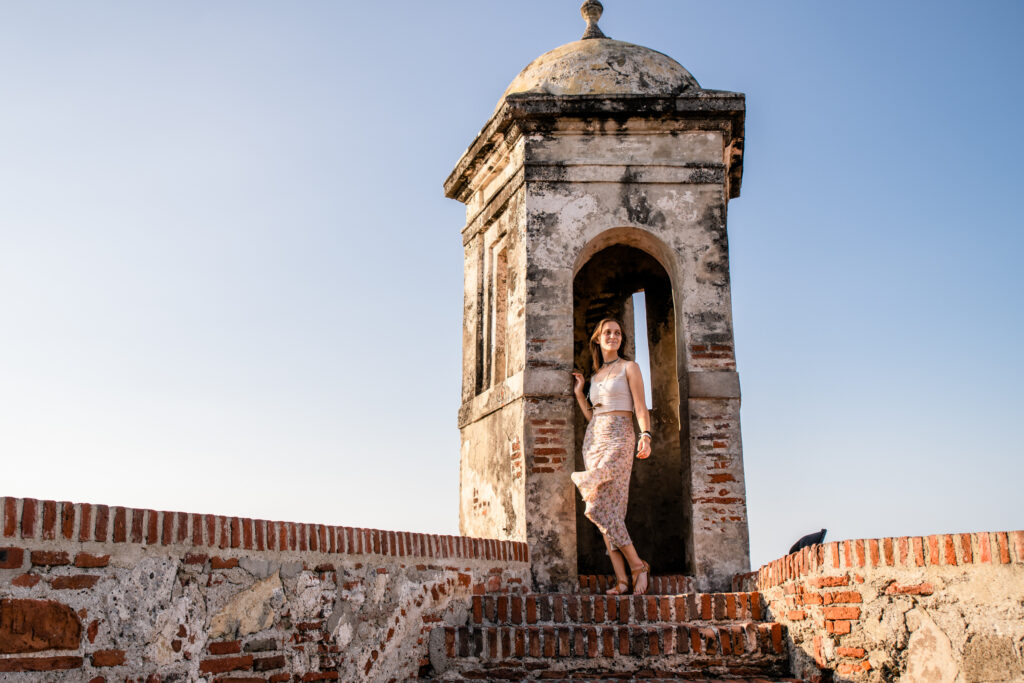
605	170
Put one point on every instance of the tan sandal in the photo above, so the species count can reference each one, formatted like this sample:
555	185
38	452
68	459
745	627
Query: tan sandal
645	569
621	588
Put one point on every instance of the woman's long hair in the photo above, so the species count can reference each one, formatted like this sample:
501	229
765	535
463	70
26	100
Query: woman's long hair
595	343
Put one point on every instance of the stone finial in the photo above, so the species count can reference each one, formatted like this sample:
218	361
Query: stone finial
592	11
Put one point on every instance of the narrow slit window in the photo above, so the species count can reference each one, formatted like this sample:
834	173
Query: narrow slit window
640	342
500	371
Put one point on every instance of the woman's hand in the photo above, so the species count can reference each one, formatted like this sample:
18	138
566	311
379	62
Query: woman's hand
580	398
578	383
643	447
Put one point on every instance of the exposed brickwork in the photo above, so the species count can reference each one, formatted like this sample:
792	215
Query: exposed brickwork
944	550
25	580
36	626
545	636
561	608
224	664
28	517
212	531
16	664
824	594
659	585
549	438
79	582
11	558
632	640
49	558
10	513
717	487
87	560
711	356
102	658
267	615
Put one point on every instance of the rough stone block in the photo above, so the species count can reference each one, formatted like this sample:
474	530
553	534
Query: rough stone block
721	384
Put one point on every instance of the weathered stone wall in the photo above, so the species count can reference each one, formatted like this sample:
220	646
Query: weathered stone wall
943	609
492	477
659	187
91	593
547	189
551	504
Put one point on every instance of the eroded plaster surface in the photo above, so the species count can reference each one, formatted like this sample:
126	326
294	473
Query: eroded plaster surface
557	188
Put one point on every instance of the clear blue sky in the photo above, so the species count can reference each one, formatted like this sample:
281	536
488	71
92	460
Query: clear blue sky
230	283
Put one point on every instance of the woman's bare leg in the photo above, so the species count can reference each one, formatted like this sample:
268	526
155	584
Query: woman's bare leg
619	565
636	565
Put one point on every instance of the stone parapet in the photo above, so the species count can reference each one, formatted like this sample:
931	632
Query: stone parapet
889	608
65	522
92	591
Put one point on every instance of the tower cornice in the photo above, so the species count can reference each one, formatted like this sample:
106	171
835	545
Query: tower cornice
520	113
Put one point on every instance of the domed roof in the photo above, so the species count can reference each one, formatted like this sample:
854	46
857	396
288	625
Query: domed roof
602	66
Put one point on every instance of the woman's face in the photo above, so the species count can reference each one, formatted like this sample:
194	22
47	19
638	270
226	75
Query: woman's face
611	337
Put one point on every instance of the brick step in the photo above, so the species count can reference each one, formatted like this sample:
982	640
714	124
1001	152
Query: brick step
497	642
666	584
665	670
708	672
569	608
646	678
666	650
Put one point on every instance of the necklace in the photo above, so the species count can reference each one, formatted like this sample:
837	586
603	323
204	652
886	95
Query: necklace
606	364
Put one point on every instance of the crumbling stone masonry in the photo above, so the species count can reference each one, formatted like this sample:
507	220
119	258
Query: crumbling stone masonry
91	593
943	609
605	170
96	594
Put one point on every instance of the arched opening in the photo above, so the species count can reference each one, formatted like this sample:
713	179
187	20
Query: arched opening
658	516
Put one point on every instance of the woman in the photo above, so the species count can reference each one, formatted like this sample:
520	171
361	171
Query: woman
616	391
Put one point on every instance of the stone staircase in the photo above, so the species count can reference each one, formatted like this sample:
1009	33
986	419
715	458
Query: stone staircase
671	634
671	584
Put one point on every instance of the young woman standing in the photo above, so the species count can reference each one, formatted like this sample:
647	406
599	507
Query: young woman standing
616	392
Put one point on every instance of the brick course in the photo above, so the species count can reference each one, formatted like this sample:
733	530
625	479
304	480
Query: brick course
212	531
823	594
67	560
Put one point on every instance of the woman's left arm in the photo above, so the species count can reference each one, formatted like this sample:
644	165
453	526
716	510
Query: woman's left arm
636	387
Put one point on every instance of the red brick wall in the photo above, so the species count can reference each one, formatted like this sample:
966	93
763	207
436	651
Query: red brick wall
832	597
111	593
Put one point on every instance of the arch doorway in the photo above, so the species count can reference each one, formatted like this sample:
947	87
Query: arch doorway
658	517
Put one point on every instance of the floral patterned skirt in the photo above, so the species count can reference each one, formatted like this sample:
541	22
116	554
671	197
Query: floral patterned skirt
608	449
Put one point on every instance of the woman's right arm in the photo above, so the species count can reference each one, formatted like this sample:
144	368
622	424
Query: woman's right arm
580	398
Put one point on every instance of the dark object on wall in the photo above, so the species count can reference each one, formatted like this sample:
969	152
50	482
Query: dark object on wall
810	539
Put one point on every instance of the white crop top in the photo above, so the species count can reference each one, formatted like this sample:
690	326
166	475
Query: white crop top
612	392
